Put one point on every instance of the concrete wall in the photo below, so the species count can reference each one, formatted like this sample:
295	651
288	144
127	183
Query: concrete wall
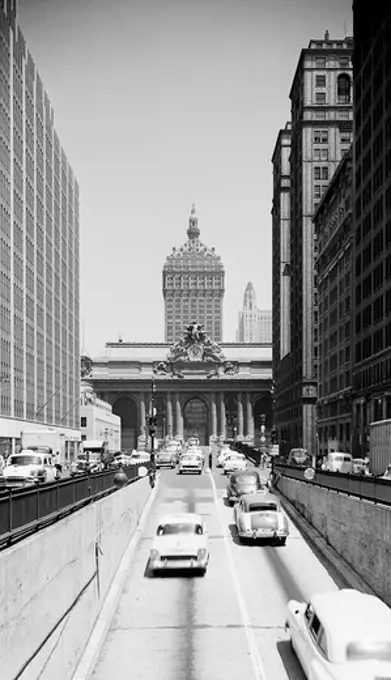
41	577
358	530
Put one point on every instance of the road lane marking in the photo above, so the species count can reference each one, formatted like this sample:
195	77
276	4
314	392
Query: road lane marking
258	667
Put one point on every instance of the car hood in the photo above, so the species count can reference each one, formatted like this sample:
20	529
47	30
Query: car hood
362	670
176	545
21	470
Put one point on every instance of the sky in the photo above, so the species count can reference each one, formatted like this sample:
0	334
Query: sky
160	104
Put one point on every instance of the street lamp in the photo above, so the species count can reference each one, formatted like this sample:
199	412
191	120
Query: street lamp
152	422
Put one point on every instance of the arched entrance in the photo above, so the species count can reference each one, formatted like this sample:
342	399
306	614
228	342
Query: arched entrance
126	409
195	420
231	416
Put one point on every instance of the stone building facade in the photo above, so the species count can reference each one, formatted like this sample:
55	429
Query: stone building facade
197	386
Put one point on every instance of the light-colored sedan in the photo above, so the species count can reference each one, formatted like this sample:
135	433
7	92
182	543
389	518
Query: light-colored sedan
225	450
233	463
29	467
259	515
191	462
181	542
341	635
139	457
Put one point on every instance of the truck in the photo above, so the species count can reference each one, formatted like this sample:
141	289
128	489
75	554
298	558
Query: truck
379	446
46	441
91	458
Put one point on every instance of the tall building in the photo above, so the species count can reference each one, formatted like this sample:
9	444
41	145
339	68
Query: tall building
255	325
334	235
39	239
321	117
372	216
193	287
281	262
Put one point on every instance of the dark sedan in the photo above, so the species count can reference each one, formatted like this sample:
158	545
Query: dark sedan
243	482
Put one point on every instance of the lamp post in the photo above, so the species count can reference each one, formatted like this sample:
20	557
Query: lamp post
152	422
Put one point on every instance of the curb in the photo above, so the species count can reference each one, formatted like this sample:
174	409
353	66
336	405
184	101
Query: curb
89	658
315	539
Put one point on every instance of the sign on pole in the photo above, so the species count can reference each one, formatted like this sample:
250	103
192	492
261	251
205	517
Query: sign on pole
274	450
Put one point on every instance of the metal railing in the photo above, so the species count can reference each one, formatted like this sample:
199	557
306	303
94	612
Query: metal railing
28	509
369	488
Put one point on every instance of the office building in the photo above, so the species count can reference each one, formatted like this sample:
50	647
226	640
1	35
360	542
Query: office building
334	234
255	325
39	240
321	118
98	422
193	287
372	217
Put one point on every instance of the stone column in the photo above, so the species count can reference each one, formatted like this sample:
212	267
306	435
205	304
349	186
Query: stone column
142	413
213	414
222	415
179	419
170	428
250	417
240	414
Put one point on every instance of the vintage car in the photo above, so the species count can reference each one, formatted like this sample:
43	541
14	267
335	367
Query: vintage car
240	483
181	542
259	516
165	458
29	467
139	457
341	635
233	462
225	450
191	462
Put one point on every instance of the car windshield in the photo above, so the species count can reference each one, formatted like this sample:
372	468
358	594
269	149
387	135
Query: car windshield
190	456
25	460
179	528
378	650
262	507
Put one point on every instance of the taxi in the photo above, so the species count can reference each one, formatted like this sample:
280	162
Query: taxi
181	542
341	635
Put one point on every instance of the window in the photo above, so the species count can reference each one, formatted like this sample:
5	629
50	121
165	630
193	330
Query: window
320	81
344	62
83	422
320	136
315	626
320	97
309	612
320	62
343	88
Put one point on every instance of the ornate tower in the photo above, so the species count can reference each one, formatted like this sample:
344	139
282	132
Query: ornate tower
193	286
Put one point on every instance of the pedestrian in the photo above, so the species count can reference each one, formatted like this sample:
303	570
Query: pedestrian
210	459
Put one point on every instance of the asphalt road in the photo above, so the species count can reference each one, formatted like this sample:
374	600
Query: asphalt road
225	625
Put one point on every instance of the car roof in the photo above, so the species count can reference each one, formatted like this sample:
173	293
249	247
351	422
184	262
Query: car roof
349	615
258	498
182	518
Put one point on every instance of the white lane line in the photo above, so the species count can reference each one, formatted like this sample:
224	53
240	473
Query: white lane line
258	667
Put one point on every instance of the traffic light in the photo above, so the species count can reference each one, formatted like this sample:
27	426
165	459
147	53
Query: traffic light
273	435
152	424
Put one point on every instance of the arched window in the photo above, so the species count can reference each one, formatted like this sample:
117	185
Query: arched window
343	89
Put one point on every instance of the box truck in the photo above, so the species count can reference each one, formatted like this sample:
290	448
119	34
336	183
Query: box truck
45	441
379	446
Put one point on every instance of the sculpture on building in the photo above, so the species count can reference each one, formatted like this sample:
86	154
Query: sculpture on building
86	365
230	368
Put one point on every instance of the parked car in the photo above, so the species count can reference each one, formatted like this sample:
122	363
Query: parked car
260	516
191	462
29	467
181	542
225	450
341	635
360	466
139	457
233	462
338	461
240	483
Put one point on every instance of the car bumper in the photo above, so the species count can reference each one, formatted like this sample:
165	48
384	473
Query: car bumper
175	564
165	463
190	469
262	533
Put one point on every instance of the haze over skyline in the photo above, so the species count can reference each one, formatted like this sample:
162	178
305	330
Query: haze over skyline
159	104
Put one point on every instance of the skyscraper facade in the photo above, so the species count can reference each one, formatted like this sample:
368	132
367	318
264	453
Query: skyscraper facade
193	287
372	217
322	125
255	325
39	239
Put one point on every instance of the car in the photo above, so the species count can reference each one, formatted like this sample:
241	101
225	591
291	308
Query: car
243	482
181	542
341	635
225	450
259	516
191	462
165	458
29	467
361	466
233	462
139	457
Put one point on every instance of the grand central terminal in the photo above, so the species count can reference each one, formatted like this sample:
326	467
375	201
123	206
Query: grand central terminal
197	386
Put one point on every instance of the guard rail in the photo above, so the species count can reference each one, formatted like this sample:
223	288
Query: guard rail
26	510
365	487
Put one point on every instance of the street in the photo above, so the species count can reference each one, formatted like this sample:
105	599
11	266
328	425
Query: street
229	623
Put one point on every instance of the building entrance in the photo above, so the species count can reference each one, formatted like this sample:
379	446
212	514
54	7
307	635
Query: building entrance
195	421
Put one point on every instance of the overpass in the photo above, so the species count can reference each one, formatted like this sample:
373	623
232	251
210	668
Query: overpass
78	601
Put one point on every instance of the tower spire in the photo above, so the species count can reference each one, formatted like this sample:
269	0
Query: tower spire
193	231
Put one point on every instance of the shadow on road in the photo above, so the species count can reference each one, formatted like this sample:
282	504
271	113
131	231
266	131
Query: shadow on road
173	573
290	661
